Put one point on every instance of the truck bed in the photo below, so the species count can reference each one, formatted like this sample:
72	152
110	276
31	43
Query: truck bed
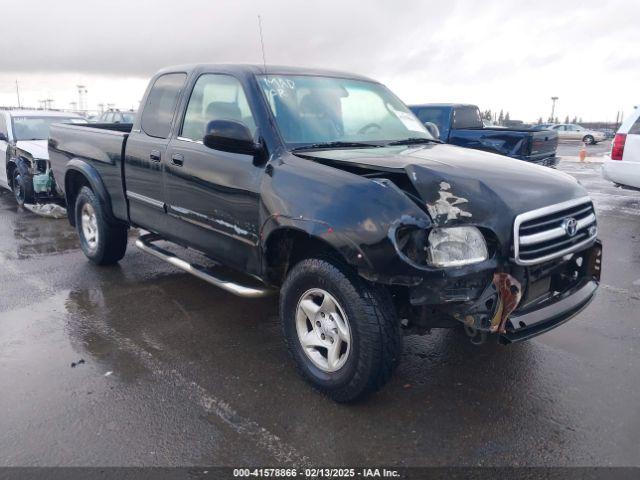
101	146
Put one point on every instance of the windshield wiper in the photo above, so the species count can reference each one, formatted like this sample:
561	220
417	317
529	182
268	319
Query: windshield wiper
337	145
415	140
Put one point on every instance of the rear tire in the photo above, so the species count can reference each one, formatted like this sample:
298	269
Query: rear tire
22	185
365	329
102	242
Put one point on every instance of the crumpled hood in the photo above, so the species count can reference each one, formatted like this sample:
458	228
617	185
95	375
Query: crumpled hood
483	188
36	148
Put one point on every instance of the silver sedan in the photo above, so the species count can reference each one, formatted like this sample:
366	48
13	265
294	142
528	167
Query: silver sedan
571	131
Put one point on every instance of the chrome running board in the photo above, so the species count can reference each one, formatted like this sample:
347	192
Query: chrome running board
145	243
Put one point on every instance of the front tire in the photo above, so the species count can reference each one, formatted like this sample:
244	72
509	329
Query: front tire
103	243
341	331
22	185
588	139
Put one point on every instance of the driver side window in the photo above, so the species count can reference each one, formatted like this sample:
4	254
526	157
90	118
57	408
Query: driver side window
215	97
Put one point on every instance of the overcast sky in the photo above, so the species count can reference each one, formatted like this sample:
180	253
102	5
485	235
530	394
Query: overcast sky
498	54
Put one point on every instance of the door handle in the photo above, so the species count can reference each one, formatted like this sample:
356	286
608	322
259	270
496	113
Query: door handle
177	159
154	155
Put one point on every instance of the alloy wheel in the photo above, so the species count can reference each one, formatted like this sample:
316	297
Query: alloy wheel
323	330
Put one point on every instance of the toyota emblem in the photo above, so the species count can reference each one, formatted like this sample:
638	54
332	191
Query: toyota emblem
570	226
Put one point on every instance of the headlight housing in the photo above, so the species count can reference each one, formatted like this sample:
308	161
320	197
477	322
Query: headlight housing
440	247
456	246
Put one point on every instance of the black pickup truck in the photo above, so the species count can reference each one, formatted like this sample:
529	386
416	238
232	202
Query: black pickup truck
462	125
325	187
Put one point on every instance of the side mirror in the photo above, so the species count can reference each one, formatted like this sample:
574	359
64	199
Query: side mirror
3	137
230	136
433	129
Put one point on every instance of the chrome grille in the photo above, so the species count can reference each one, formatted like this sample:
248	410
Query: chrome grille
553	231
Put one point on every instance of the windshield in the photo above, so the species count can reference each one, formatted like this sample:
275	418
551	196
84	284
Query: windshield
37	128
318	110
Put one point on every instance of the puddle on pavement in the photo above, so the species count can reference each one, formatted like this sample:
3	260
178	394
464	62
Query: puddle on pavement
30	235
51	334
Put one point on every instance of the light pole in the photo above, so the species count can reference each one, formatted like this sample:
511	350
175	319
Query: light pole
553	108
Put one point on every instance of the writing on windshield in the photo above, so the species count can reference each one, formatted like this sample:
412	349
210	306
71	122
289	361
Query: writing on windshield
317	110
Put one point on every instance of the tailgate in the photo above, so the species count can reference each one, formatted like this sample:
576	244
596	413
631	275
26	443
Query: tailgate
543	143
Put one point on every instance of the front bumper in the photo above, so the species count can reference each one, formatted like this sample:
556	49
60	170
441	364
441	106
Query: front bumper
551	311
519	303
523	326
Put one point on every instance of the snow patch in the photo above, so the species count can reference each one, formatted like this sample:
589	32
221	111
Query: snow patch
50	210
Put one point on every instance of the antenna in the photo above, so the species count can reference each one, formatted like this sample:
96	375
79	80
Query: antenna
264	58
18	93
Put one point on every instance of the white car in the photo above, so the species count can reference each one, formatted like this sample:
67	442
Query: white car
622	166
24	159
571	131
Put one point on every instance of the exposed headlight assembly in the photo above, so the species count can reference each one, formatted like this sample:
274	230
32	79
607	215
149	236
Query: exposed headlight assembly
441	247
456	246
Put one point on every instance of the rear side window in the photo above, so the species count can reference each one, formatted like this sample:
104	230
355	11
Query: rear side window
161	105
635	128
467	117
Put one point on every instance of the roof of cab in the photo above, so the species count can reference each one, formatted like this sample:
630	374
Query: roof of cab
254	69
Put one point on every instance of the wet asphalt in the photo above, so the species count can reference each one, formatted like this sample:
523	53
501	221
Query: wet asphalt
177	372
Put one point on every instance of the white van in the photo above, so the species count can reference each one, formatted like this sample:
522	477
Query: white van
622	166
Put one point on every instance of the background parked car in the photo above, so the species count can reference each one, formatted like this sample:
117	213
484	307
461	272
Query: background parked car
24	160
609	132
623	164
572	131
116	116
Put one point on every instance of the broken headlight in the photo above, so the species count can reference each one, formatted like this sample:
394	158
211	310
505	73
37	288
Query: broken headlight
456	246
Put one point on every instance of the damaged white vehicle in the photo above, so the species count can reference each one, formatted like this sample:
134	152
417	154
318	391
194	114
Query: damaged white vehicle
23	149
